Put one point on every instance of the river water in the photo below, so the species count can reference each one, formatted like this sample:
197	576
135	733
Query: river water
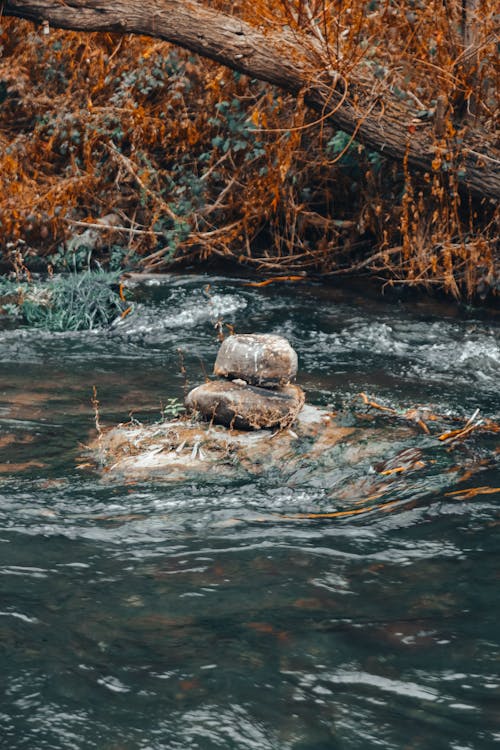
213	614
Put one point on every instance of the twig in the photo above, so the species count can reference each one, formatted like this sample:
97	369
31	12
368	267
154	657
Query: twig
364	263
128	164
109	228
341	513
183	371
375	405
207	174
95	404
470	426
472	492
208	209
274	279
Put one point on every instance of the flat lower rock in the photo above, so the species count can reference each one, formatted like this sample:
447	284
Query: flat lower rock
181	449
260	359
184	450
245	407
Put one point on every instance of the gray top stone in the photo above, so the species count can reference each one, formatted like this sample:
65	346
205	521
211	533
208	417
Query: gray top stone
259	359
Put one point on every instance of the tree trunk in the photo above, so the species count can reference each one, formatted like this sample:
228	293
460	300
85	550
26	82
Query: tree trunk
282	59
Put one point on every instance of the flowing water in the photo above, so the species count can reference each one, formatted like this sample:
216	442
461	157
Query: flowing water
214	615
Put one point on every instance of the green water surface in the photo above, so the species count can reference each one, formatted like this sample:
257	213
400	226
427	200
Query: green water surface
209	615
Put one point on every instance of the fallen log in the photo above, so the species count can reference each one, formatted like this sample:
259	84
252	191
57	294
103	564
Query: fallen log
285	60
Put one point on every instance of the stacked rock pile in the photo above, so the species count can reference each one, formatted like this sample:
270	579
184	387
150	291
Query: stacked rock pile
254	388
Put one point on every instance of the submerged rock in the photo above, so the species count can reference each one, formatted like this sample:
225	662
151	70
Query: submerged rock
245	407
259	359
318	447
180	449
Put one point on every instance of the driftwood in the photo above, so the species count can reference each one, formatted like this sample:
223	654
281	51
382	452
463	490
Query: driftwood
292	63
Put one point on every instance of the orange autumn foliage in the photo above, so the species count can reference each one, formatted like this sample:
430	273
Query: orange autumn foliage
199	162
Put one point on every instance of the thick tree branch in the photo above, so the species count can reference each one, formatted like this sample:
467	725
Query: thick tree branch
280	58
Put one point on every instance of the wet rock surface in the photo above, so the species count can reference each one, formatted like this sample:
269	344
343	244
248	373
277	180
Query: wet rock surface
259	359
318	445
179	449
230	425
254	390
244	406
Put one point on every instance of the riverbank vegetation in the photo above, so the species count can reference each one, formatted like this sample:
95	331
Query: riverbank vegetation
195	161
86	300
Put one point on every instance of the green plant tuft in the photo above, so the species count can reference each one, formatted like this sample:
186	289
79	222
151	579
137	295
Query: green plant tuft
75	302
173	408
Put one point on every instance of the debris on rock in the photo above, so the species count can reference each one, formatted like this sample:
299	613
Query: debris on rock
233	436
235	428
179	449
